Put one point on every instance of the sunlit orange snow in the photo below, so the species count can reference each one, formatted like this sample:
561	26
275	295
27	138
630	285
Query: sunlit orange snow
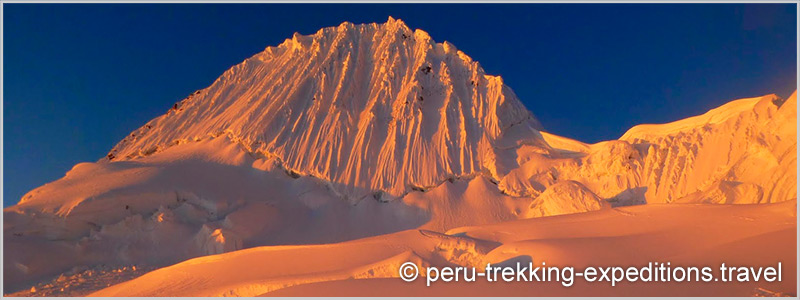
319	166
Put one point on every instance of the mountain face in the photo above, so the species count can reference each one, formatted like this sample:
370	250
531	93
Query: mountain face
375	109
741	152
363	130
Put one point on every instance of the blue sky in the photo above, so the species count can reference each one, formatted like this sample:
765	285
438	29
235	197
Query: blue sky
79	77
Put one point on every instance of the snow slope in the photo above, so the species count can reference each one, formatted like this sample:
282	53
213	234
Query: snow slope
371	130
741	152
758	235
212	197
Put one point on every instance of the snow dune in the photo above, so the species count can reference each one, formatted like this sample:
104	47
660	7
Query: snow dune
684	234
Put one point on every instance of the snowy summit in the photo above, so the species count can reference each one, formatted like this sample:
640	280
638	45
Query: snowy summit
366	146
372	108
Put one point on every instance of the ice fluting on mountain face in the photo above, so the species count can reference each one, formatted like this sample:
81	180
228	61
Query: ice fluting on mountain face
741	152
370	108
371	113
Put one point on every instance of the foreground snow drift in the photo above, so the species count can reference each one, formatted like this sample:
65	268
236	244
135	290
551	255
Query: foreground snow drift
212	197
373	130
688	235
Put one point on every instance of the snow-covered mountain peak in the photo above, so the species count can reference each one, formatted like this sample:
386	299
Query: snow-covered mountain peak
294	145
371	108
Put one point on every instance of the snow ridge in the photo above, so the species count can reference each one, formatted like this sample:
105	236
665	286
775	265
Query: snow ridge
741	152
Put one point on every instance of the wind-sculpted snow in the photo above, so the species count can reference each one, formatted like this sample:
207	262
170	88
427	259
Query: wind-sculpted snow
362	131
741	152
373	108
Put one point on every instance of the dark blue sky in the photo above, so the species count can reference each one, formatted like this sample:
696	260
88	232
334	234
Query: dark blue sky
79	77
